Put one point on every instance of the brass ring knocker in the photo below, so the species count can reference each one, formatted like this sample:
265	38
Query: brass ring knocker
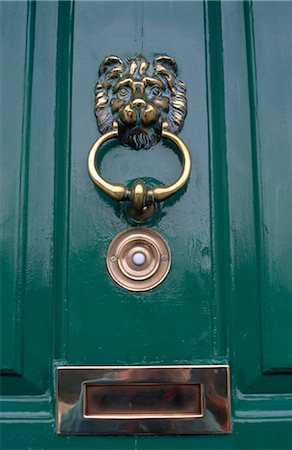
142	199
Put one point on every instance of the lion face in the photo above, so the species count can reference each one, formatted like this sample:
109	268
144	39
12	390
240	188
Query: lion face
139	96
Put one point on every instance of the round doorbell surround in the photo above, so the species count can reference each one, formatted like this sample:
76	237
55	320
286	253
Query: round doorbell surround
138	259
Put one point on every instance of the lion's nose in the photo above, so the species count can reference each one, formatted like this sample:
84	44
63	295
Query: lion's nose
138	104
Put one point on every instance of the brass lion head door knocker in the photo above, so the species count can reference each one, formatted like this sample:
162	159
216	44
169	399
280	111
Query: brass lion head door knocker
139	102
140	96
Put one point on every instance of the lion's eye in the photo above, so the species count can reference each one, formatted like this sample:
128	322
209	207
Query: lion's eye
123	92
156	91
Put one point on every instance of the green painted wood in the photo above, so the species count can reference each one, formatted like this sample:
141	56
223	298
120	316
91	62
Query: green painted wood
62	174
242	304
180	311
273	71
260	435
29	142
211	308
13	30
245	318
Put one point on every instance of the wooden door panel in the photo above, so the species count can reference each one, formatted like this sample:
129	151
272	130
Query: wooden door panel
247	218
12	56
172	323
273	92
28	180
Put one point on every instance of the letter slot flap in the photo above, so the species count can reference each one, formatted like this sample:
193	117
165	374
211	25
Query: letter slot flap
124	400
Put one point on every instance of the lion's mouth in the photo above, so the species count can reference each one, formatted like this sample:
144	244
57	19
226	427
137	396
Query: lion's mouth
138	137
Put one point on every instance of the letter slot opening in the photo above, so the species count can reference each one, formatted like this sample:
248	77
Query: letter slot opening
142	401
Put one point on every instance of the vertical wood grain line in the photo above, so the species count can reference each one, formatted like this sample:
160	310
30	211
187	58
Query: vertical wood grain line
62	174
255	148
218	176
23	183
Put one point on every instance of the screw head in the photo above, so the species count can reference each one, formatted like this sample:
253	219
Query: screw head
113	258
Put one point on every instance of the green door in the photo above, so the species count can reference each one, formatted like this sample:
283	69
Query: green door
228	296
